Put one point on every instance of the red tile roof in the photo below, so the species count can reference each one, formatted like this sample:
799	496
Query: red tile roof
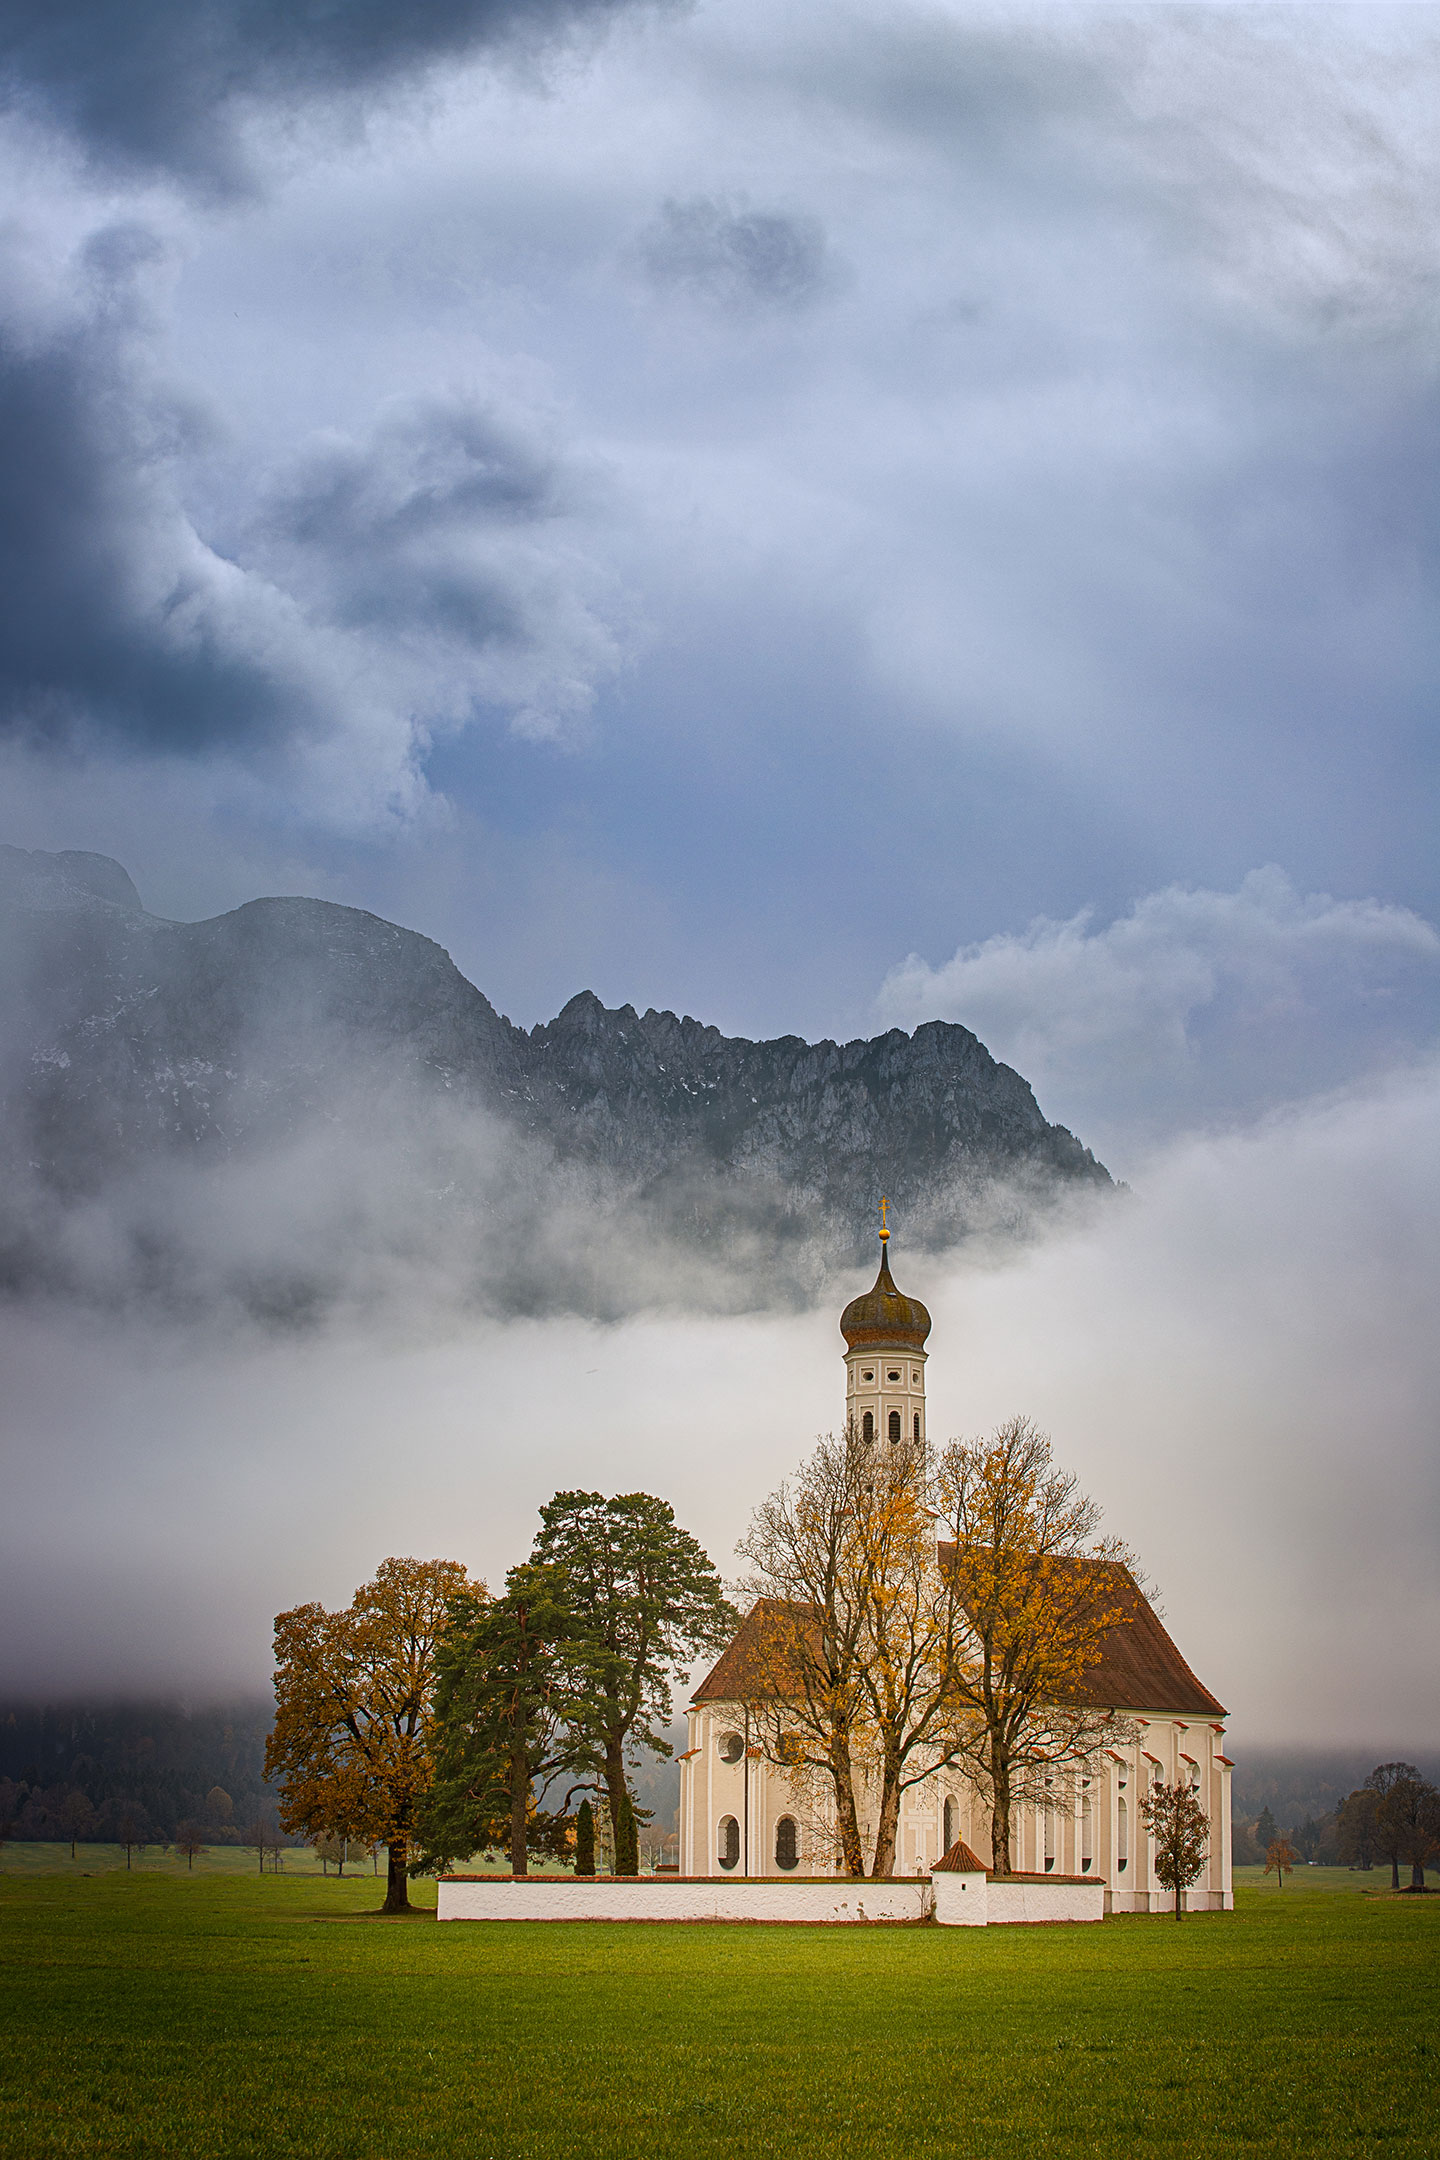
959	1861
1139	1666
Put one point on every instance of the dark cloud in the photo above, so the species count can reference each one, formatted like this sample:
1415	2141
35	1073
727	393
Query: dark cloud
724	255
392	531
163	83
114	615
387	583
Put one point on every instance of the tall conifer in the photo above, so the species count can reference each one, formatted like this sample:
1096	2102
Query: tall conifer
585	1840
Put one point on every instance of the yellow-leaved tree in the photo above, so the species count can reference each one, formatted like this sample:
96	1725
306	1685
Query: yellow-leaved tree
351	1743
1041	1593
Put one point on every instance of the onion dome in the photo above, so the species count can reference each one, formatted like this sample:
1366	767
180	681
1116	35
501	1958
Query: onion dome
884	1316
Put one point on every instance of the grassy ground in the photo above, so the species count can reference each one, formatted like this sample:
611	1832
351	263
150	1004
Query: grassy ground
171	2015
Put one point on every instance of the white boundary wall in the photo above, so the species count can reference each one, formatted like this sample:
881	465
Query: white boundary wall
1012	1904
955	1900
603	1897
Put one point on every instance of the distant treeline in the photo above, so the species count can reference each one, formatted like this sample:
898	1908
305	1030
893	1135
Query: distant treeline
100	1771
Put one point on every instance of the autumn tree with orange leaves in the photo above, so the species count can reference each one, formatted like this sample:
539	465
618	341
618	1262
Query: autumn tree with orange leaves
351	1743
1041	1591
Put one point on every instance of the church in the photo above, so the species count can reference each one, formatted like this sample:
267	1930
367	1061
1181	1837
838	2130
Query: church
740	1818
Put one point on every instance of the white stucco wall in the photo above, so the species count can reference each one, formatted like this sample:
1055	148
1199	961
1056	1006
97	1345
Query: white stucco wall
960	1900
501	1897
1012	1904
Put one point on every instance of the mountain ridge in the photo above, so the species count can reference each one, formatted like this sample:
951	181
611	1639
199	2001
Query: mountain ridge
139	1047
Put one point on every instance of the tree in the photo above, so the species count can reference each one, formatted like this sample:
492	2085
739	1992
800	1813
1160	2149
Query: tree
644	1601
1266	1829
1042	1593
1181	1829
1355	1840
1280	1859
350	1744
506	1674
855	1640
132	1831
805	1691
585	1840
1407	1822
1390	1840
259	1837
189	1840
76	1817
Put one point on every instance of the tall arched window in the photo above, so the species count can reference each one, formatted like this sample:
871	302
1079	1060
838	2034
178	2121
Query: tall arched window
894	1425
1086	1855
867	1426
1122	1839
949	1824
787	1845
729	1854
1048	1814
917	1424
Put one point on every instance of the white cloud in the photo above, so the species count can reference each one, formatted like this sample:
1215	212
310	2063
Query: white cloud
1195	1005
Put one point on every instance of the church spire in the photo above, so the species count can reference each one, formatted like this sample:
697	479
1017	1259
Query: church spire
885	1335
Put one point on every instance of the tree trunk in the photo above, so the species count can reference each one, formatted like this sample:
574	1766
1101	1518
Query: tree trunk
1394	1871
999	1811
1179	1897
851	1852
887	1831
1417	1874
519	1794
615	1786
397	1882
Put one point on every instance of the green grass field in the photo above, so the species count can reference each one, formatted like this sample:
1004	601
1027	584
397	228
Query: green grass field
164	2014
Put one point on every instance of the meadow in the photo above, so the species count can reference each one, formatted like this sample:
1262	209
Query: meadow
160	2012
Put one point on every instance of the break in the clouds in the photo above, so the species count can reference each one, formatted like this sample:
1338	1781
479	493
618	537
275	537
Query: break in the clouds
169	83
1193	1006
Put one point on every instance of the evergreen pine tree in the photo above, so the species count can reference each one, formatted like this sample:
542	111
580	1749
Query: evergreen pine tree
585	1840
627	1841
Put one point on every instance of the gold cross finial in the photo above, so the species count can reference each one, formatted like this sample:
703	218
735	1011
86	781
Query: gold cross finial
884	1219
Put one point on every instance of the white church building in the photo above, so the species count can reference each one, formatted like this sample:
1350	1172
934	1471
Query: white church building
739	1817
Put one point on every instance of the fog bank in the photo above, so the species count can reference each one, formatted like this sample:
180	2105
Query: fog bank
1239	1361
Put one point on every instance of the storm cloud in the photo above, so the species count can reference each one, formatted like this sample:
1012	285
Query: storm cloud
166	83
375	589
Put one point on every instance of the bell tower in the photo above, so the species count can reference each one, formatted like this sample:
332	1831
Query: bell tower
885	1335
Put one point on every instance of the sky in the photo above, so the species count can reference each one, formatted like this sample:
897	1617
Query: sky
821	517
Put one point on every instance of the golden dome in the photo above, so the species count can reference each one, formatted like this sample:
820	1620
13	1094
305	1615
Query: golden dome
884	1315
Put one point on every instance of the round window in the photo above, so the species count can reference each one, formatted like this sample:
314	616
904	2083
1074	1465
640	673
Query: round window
867	1375
732	1747
893	1375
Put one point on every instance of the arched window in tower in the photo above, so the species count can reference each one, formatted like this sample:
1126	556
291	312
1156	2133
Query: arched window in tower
867	1426
1086	1825
729	1852
1122	1838
787	1845
894	1425
949	1824
917	1424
